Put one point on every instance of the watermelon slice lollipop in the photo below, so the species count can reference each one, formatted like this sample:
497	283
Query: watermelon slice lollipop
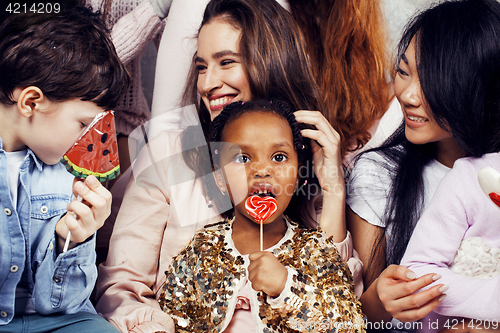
94	153
261	209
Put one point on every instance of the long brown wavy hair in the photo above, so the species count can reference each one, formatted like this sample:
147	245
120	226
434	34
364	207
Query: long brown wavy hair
275	61
346	42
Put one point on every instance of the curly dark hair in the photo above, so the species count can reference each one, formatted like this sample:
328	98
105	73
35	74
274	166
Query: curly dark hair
235	110
280	108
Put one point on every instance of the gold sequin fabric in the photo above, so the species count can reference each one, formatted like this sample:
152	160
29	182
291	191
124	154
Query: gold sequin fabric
204	279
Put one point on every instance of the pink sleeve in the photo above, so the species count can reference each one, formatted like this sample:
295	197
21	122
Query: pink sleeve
129	279
158	217
457	211
344	248
351	257
132	32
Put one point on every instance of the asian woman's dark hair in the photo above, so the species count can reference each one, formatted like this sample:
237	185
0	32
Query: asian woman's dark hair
458	63
274	59
233	112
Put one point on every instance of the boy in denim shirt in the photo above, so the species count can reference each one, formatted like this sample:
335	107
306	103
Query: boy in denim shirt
57	72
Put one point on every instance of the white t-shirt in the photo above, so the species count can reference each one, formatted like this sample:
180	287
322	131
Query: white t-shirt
14	161
370	183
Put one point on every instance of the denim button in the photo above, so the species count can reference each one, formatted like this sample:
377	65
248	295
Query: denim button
44	209
14	268
3	314
7	211
51	246
57	279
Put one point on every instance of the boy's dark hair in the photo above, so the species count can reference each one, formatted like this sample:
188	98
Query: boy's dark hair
236	110
67	55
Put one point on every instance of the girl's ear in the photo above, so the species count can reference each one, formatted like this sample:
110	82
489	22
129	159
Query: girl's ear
29	100
219	180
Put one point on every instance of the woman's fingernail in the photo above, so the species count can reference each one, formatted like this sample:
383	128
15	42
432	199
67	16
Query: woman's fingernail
410	275
443	289
436	277
440	298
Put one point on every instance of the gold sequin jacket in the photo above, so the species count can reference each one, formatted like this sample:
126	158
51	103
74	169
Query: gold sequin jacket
203	281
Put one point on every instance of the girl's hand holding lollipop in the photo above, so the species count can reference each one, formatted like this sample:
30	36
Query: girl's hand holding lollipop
265	272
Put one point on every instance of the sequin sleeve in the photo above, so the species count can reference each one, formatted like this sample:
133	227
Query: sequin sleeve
320	294
200	281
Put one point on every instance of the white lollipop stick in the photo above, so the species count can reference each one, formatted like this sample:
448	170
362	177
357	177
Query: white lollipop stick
66	244
261	209
261	236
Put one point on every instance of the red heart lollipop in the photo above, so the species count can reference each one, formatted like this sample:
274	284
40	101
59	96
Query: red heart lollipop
261	208
495	198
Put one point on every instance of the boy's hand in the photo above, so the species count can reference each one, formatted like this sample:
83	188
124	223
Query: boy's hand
91	212
266	273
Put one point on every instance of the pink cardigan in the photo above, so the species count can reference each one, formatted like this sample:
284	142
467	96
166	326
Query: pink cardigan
134	24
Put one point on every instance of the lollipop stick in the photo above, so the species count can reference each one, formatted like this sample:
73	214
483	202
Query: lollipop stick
66	244
261	236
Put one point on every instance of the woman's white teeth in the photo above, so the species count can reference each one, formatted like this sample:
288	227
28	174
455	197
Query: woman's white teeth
417	119
219	101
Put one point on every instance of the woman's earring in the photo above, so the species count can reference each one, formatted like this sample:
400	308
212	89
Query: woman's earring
210	204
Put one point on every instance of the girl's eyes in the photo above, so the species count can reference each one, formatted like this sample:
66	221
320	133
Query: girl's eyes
84	125
279	158
241	159
276	158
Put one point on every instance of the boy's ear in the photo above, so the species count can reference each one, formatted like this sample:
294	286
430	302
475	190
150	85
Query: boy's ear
219	180
30	99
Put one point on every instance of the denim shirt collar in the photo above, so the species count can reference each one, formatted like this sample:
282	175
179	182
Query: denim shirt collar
38	163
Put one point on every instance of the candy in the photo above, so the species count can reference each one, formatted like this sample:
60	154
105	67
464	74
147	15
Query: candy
261	208
96	151
489	179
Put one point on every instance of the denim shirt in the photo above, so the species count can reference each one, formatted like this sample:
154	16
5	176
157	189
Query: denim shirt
58	283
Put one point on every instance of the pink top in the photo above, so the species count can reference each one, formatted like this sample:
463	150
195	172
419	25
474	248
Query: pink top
242	320
134	24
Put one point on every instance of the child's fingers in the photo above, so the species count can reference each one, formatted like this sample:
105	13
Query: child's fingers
256	255
95	186
84	225
96	196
